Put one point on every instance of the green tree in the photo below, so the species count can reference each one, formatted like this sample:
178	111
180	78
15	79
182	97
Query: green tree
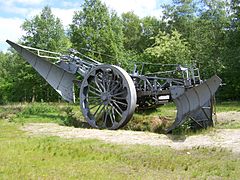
180	16
132	31
203	24
169	49
96	29
150	28
3	77
138	32
209	36
45	31
12	86
232	55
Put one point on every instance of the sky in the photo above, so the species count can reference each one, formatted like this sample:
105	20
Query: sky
14	12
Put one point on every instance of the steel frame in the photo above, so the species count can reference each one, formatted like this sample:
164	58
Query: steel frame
118	93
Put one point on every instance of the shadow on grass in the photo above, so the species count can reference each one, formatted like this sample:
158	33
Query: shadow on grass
53	118
76	123
146	111
176	138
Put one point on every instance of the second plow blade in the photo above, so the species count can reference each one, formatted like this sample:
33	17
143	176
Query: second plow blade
196	103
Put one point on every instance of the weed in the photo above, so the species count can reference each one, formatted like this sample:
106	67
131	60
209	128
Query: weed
38	108
71	119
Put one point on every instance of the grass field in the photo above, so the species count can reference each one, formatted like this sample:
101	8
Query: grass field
228	106
28	157
25	157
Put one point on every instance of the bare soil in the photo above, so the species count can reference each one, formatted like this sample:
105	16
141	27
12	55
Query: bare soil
228	116
220	138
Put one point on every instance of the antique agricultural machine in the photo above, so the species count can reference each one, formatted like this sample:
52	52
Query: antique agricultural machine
109	95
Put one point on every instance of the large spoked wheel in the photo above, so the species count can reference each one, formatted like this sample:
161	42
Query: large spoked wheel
107	97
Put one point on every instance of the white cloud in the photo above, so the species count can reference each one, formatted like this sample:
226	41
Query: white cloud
65	15
140	7
25	2
157	13
14	9
32	12
10	29
68	4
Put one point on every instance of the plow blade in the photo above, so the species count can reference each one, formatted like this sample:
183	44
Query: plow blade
59	79
196	103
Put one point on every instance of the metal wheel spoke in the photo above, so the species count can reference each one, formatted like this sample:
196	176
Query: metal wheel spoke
115	109
101	110
118	98
104	80
93	88
113	113
114	87
105	118
95	106
100	84
93	100
94	93
97	109
108	86
111	83
120	89
116	105
111	117
94	97
120	93
119	102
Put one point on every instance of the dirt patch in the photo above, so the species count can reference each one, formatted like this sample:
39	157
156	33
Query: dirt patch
228	116
224	138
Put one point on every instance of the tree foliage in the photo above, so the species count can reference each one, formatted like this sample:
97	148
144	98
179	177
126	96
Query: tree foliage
96	29
132	31
45	31
232	55
139	33
169	49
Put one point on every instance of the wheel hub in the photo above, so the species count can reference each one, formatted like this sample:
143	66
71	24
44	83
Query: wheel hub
105	97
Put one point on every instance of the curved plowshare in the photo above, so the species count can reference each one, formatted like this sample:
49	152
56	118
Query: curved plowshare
109	95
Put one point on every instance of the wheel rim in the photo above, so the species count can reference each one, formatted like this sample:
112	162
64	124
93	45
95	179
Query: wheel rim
107	97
